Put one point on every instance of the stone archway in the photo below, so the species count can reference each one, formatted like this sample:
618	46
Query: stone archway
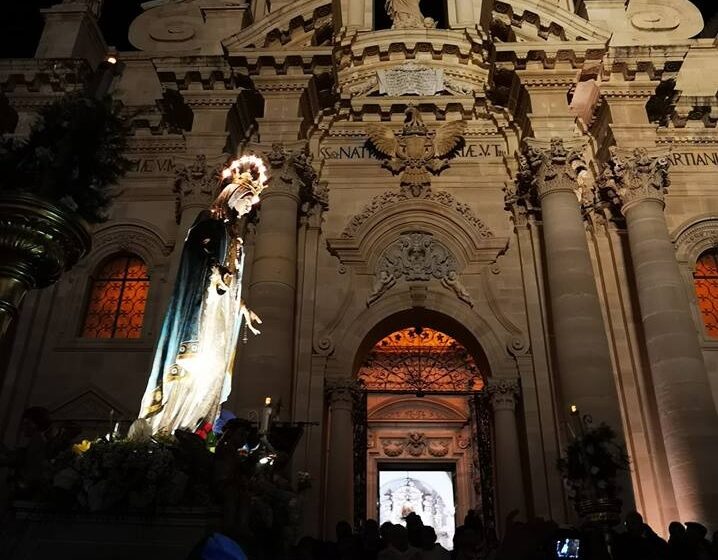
423	405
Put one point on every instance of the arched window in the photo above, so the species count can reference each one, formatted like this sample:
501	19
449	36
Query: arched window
706	282
420	360
118	295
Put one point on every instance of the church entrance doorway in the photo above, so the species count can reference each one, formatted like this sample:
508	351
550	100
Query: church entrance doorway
428	490
424	435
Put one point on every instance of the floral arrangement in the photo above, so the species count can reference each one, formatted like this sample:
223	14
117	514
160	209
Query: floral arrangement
591	464
73	156
133	474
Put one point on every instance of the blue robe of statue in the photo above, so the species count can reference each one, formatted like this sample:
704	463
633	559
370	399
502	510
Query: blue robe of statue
191	371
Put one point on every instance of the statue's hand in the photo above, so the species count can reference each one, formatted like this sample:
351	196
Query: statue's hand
250	318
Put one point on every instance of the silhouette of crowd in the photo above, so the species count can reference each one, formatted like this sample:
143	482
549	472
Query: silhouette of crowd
533	540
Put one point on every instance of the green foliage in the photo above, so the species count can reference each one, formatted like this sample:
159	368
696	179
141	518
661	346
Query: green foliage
73	156
591	464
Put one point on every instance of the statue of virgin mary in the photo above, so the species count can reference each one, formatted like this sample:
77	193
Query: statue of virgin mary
192	368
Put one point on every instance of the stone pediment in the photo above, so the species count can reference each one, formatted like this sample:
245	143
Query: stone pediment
88	406
302	24
366	61
531	20
210	27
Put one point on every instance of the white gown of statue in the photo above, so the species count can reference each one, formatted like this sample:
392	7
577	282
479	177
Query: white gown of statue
206	379
191	374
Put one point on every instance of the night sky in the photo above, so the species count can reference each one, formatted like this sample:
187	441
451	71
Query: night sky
21	23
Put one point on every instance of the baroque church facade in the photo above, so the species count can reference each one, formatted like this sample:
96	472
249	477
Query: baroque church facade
479	214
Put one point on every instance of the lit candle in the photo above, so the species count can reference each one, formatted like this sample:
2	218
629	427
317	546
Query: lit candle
266	415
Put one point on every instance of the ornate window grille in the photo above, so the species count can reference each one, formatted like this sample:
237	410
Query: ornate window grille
420	360
118	296
706	283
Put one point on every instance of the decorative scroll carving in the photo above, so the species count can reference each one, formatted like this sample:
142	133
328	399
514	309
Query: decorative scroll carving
671	19
503	393
417	257
415	152
420	360
392	198
631	177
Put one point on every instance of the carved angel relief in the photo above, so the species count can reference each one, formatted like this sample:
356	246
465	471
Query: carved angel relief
415	152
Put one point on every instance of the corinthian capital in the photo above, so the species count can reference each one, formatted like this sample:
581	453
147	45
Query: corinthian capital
548	166
633	176
196	183
504	393
293	174
341	391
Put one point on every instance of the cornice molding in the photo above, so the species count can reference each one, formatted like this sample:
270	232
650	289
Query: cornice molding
550	21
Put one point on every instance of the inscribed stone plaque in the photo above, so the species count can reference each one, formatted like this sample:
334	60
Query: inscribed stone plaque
411	79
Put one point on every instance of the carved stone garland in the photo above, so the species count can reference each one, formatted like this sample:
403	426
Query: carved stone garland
415	257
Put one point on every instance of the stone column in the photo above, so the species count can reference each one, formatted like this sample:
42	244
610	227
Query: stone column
339	490
267	361
551	177
636	182
509	476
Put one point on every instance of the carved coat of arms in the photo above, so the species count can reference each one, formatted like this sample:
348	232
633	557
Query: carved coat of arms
415	152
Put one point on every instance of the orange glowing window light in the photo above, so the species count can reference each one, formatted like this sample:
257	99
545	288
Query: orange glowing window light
420	360
118	297
705	279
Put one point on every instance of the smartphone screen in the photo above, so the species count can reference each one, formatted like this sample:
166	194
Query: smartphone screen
568	548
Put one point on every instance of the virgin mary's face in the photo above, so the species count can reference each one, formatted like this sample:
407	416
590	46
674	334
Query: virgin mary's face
242	202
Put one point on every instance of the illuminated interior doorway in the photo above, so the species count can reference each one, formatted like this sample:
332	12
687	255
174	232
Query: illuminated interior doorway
429	492
426	441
